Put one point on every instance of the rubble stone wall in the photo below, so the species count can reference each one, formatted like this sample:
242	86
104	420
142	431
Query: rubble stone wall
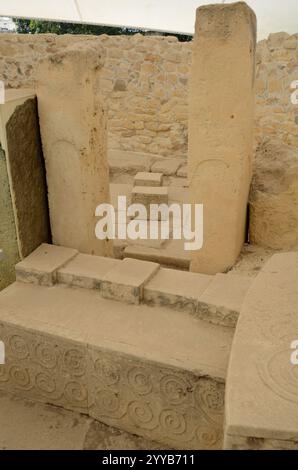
145	79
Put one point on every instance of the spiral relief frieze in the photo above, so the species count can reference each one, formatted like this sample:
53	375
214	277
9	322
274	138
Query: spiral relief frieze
18	347
209	397
108	404
139	379
75	362
141	413
20	377
76	393
46	355
107	371
208	437
172	422
279	375
45	383
174	389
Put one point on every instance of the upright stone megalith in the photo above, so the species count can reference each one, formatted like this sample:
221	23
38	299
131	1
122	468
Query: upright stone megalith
221	106
73	132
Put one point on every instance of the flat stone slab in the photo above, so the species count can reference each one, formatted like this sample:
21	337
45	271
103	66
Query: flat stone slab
148	179
222	300
86	271
156	373
42	265
149	195
126	281
262	387
129	162
168	166
172	255
176	289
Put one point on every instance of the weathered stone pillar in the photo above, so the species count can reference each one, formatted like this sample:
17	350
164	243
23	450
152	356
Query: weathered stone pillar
221	104
24	222
73	131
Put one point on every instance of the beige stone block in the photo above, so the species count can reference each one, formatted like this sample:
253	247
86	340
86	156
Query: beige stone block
148	179
222	300
221	129
86	271
261	398
159	402
167	166
73	131
128	162
42	265
176	289
173	255
148	195
126	281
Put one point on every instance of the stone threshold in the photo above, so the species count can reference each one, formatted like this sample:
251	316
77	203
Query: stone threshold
216	299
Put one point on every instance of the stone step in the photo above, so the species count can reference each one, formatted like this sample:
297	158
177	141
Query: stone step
148	179
155	372
148	195
216	299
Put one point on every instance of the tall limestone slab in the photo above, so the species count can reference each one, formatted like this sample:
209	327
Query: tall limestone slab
24	222
73	131
221	106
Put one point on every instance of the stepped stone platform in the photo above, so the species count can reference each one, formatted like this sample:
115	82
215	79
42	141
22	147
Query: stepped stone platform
157	373
262	383
80	333
169	252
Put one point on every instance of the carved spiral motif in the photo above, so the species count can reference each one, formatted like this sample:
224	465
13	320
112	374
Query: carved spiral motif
108	371
75	362
174	389
3	373
107	401
210	395
45	383
140	412
279	375
172	422
18	347
75	393
20	377
139	379
207	437
46	355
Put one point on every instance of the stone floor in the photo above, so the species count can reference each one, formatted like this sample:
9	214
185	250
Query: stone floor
28	425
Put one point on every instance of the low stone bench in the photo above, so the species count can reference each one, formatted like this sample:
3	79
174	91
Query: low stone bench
156	373
262	383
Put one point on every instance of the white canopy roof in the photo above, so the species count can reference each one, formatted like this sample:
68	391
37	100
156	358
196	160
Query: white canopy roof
161	15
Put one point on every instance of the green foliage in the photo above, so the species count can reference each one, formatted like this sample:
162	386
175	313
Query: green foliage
38	26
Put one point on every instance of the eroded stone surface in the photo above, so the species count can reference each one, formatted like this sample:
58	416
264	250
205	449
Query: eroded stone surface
126	281
86	271
73	131
176	289
41	266
261	407
148	179
220	129
222	300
